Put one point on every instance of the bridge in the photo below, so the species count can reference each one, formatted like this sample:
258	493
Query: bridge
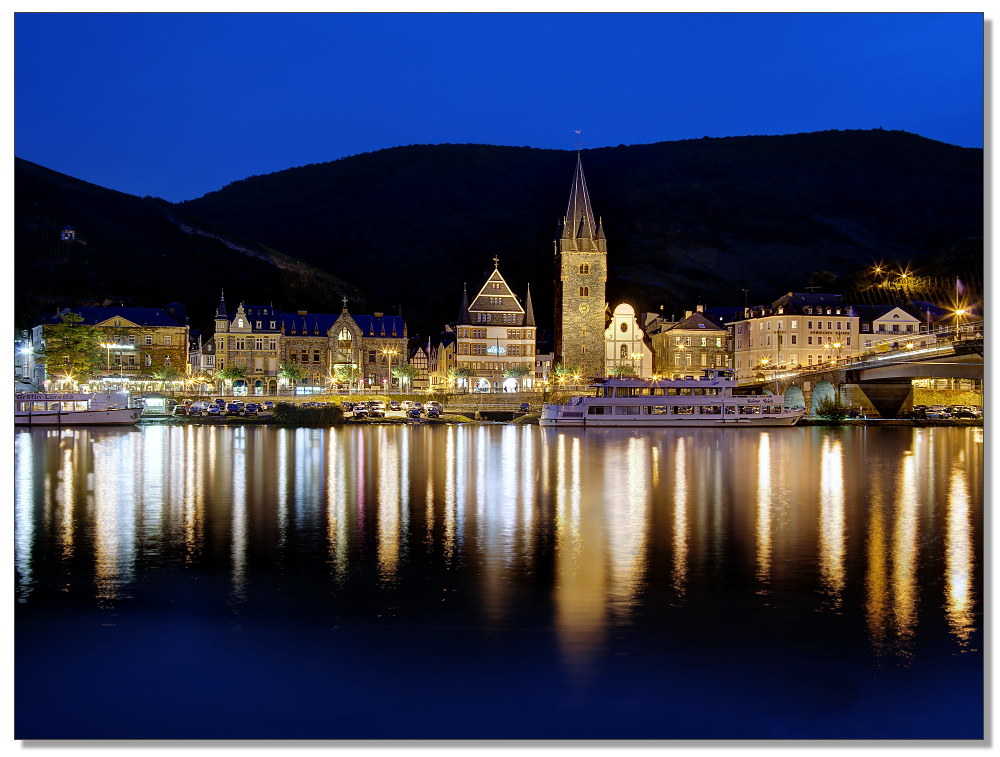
884	383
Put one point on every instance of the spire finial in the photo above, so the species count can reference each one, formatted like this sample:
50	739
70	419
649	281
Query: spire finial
578	142
496	262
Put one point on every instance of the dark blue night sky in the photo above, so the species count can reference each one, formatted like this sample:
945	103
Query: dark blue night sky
180	105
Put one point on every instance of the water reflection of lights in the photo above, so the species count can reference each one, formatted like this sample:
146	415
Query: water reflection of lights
24	512
336	504
877	578
831	516
679	571
66	497
580	563
450	494
764	508
904	551
628	543
389	503
116	498
958	558
281	466
238	548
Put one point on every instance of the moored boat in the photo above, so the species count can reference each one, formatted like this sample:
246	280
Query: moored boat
714	400
73	409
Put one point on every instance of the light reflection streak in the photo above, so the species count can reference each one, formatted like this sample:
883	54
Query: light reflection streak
65	495
905	551
679	571
450	494
238	537
116	498
580	573
958	559
336	505
283	486
832	535
877	578
764	509
192	495
628	534
528	464
388	508
24	512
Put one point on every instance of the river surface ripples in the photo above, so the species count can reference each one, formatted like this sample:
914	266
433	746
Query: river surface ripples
498	582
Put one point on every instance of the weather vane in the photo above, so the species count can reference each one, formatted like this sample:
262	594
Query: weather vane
578	142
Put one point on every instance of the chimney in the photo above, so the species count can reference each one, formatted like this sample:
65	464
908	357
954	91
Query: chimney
378	315
701	308
687	313
303	313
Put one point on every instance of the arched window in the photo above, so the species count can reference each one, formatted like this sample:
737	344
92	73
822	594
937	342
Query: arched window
345	335
585	291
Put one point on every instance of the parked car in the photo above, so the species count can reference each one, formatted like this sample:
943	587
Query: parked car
434	405
235	408
361	410
252	408
268	405
962	412
394	405
525	407
413	413
405	405
181	410
432	413
212	409
419	406
938	414
376	409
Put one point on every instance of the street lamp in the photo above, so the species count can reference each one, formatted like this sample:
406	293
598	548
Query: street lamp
390	353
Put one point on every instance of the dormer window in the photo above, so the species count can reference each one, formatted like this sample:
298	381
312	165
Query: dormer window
239	323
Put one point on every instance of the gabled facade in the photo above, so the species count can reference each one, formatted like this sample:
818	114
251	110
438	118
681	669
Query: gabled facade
684	348
625	344
884	328
581	271
495	333
332	349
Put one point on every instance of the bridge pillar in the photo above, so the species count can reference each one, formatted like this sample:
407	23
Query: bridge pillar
886	398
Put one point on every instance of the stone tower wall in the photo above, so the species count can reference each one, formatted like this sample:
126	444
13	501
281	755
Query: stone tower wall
577	330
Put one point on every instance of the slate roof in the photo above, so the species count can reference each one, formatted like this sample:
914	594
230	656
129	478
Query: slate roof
496	297
579	218
139	316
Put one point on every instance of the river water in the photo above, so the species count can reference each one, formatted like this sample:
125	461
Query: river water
498	582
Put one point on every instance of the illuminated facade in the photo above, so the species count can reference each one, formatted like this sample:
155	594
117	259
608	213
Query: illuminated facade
495	336
581	270
625	345
686	347
795	331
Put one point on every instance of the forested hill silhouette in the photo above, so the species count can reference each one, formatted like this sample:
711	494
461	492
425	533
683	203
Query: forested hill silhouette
687	222
142	252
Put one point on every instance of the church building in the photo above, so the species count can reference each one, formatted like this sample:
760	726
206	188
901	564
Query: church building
581	270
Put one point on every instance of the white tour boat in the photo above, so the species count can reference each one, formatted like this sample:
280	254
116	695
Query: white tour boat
73	409
711	400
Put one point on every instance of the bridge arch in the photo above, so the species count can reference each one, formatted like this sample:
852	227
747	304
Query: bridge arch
794	397
822	391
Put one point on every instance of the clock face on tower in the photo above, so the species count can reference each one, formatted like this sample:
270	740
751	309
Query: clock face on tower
584	307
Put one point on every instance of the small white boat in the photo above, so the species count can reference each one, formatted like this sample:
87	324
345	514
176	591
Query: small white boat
712	400
73	409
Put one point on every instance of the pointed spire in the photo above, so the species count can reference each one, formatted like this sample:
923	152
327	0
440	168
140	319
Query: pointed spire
221	310
600	229
463	314
529	314
578	212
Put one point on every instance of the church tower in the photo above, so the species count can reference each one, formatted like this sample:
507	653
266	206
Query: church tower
581	270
